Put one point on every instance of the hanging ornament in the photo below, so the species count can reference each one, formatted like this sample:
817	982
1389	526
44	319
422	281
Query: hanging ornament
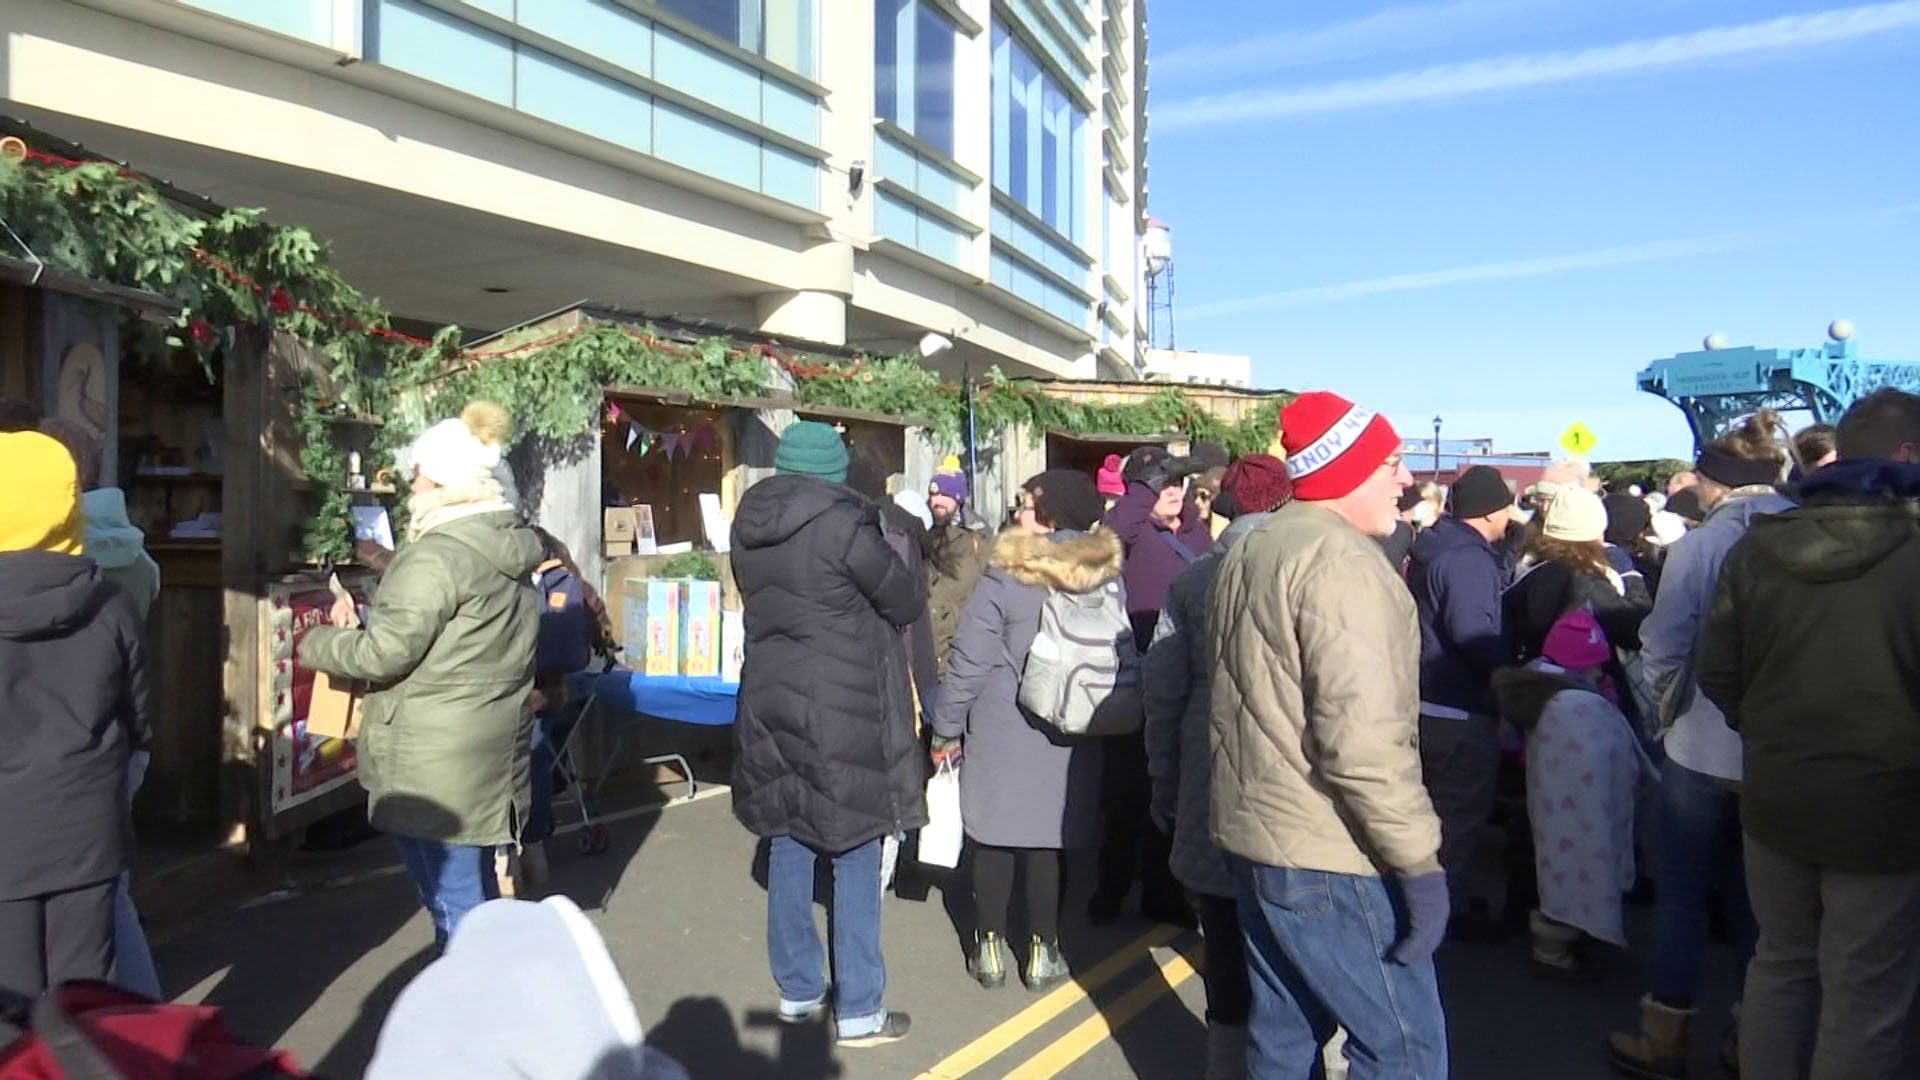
633	435
670	442
613	412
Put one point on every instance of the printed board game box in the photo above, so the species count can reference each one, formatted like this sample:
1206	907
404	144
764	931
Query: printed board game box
662	627
700	629
733	640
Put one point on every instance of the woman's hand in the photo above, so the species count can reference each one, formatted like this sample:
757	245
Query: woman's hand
945	752
345	614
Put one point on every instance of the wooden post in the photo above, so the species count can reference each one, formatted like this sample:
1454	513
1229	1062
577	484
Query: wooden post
244	496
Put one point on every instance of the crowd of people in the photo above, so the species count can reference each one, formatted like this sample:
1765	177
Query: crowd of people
1326	716
1373	716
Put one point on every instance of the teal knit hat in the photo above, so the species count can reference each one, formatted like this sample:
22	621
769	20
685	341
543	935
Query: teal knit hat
810	448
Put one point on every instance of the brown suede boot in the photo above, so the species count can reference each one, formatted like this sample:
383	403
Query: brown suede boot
1658	1051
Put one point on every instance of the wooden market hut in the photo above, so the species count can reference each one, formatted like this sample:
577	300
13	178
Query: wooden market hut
662	448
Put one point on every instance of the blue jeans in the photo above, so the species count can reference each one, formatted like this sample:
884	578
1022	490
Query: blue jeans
540	766
1316	950
1699	851
452	879
793	942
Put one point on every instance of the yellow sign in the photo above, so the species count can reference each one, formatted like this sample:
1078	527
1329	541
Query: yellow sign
1578	440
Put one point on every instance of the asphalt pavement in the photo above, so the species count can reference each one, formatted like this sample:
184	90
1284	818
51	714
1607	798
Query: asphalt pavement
679	899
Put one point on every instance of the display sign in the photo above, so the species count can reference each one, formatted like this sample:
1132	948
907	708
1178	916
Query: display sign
305	765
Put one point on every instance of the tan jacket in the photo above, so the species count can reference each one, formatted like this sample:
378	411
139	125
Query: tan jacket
1316	699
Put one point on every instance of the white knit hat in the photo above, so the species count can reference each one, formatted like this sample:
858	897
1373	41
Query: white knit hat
1575	515
464	451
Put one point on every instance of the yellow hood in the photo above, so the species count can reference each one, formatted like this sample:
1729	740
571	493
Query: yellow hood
42	510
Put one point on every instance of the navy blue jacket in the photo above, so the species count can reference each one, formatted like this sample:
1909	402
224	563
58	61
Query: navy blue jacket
1457	578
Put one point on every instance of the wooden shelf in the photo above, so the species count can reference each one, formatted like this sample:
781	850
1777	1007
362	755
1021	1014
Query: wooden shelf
356	421
183	545
178	478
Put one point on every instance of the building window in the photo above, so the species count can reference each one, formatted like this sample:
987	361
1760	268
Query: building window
780	30
1039	157
913	77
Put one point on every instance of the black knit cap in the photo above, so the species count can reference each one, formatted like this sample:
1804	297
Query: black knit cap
1629	518
1478	492
1686	503
1066	499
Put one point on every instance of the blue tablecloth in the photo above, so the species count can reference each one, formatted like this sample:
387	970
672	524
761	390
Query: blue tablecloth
708	702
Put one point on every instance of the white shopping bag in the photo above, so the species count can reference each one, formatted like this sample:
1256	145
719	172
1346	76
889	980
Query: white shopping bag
941	836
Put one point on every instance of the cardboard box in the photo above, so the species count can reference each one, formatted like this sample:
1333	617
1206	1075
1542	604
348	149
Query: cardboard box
618	549
733	641
333	712
618	525
662	627
700	644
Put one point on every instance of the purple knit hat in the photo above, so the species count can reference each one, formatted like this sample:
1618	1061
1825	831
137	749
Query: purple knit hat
951	484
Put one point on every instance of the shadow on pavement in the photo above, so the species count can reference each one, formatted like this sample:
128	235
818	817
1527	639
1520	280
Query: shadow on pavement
699	1033
282	958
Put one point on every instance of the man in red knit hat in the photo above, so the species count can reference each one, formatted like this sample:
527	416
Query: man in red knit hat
1317	797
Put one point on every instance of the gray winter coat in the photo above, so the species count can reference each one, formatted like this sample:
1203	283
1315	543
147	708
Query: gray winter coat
1699	738
1021	785
1178	704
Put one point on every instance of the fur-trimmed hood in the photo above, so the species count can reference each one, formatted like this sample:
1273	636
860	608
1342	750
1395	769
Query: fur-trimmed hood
1069	562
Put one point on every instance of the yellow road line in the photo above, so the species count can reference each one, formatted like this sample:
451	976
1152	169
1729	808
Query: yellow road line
1035	1016
1071	1047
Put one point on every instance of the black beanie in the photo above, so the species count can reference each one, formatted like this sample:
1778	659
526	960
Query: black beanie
1478	492
1066	499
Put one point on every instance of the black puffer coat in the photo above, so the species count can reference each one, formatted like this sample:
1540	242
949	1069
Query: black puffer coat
824	749
73	705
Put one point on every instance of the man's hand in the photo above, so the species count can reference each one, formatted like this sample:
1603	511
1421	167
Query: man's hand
345	614
1428	905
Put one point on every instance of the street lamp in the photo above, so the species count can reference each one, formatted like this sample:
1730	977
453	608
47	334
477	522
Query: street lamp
1436	449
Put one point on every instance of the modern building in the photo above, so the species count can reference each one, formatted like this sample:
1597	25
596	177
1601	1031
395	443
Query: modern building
1197	368
855	172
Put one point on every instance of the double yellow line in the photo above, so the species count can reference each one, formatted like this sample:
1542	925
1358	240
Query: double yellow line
1069	1048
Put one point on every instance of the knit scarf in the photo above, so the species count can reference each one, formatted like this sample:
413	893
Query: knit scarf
429	510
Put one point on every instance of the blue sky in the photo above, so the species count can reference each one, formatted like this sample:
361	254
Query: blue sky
1499	210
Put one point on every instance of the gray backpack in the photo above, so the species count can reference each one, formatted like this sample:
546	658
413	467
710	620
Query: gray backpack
1082	675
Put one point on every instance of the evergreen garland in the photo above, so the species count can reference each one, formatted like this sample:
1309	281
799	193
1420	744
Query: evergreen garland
235	270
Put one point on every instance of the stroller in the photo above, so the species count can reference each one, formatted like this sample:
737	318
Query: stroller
561	726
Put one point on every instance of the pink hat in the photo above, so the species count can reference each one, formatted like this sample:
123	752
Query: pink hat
1577	642
1107	481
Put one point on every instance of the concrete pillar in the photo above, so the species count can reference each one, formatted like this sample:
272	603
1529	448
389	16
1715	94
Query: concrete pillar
807	314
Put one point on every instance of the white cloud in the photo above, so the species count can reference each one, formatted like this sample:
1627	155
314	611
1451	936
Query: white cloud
1464	275
1545	265
1495	74
1388	30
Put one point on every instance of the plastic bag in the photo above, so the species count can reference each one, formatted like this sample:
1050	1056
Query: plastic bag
941	837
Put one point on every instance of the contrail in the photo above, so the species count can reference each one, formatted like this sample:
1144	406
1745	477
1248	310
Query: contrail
1475	77
1540	266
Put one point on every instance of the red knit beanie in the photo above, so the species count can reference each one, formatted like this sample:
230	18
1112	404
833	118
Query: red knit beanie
1332	444
1257	483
